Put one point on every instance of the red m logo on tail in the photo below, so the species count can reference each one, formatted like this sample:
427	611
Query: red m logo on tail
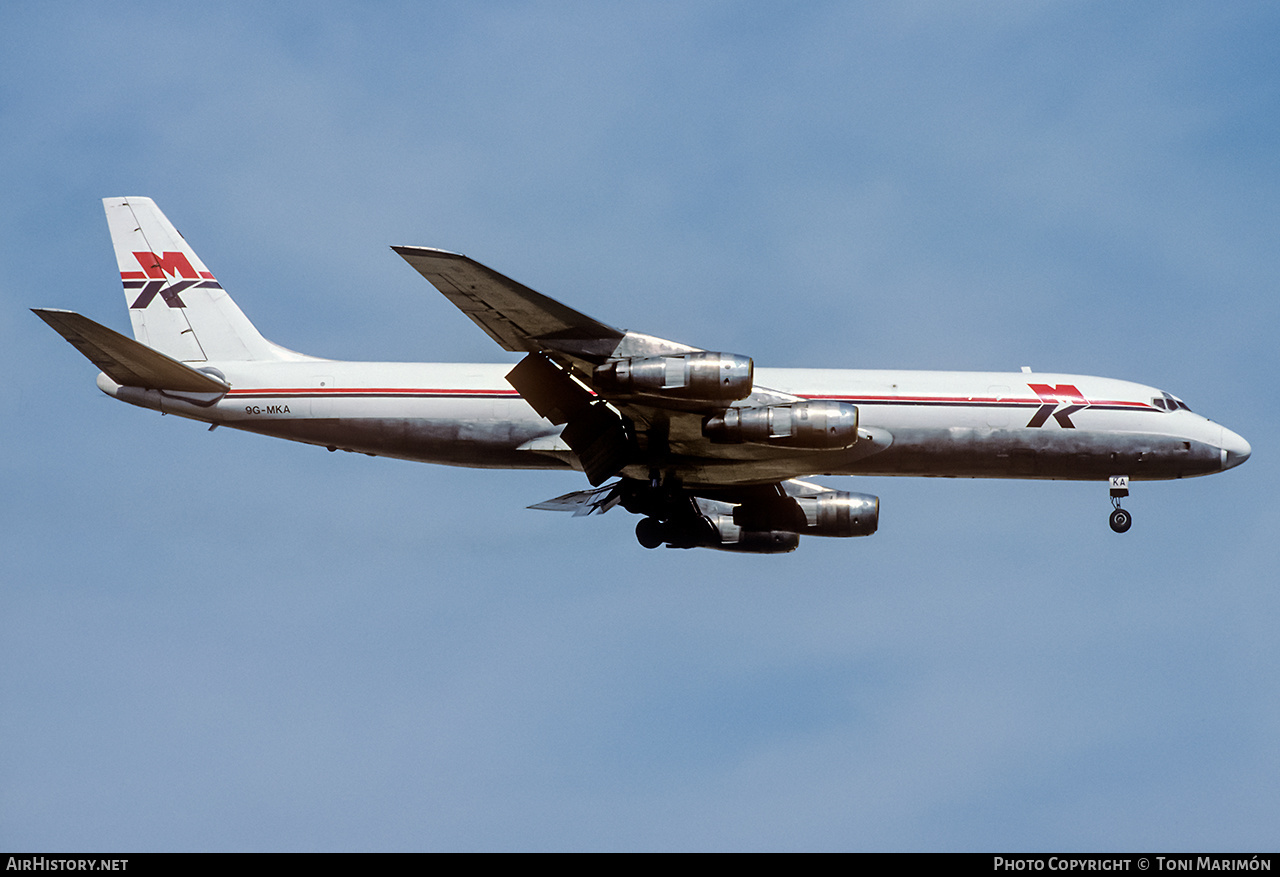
170	264
160	269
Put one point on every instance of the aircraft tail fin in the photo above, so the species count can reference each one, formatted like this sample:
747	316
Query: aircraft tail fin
175	303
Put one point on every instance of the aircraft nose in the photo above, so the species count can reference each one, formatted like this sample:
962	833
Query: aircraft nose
1235	450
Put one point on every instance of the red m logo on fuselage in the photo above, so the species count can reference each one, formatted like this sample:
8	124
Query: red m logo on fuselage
1051	396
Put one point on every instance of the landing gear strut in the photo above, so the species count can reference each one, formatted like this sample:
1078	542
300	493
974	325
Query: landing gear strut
1121	520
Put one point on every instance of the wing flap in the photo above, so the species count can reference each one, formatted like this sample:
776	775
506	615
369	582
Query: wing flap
584	502
127	362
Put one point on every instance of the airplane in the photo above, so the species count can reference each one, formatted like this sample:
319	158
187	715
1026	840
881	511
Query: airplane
708	450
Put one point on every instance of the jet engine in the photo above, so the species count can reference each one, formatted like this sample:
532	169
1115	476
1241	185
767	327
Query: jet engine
835	513
694	377
820	424
770	525
714	531
736	538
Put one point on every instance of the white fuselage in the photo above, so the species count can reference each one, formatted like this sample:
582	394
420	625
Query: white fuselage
960	424
710	450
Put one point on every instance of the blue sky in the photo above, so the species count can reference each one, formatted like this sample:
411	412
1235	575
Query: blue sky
220	641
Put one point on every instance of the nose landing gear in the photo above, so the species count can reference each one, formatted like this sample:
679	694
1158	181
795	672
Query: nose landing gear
1121	520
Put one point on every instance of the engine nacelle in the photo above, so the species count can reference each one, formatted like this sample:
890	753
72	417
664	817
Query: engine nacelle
840	513
836	513
695	377
714	531
819	424
735	538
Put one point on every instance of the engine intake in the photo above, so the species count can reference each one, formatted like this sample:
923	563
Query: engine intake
820	424
699	377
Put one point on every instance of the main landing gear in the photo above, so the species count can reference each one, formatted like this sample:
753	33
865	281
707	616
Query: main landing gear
649	532
671	516
1121	520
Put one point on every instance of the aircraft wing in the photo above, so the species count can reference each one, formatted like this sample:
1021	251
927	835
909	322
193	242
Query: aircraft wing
581	372
511	313
599	500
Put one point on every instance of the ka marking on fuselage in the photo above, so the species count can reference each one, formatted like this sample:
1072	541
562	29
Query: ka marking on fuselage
709	450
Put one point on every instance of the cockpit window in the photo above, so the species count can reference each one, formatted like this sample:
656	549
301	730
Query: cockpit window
1166	402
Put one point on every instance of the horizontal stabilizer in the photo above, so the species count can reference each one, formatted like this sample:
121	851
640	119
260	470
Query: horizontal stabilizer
127	362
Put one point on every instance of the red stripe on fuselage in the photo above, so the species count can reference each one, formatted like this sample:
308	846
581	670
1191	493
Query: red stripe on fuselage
368	391
967	400
440	392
